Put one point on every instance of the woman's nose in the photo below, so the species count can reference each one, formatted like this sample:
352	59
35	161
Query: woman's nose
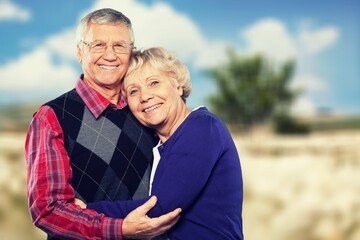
145	95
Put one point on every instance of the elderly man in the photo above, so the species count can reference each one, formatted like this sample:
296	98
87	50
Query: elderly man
87	144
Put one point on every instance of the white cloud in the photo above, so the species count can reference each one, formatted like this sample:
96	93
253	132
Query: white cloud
47	67
309	83
11	11
63	44
303	107
314	41
36	71
271	38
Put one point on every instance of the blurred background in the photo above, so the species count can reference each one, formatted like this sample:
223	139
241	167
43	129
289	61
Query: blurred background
283	75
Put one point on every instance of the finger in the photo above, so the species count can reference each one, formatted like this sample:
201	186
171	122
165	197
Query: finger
171	215
168	219
149	204
171	223
79	203
166	225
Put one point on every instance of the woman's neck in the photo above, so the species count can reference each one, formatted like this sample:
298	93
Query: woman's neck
164	133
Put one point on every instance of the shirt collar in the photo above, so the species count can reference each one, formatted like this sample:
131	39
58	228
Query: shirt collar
94	101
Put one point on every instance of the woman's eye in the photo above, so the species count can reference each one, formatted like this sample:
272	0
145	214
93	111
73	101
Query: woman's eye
132	91
153	83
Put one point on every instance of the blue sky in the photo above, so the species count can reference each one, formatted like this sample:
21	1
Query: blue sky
38	52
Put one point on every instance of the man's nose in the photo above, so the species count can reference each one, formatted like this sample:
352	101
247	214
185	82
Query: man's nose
109	53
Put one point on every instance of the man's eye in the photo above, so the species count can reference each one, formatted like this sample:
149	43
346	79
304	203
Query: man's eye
99	45
119	46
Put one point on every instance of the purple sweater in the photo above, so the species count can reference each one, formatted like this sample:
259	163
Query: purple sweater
200	172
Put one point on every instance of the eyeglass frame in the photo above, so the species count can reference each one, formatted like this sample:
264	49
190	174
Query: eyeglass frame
129	47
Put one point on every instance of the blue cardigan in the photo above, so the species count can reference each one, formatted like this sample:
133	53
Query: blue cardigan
199	171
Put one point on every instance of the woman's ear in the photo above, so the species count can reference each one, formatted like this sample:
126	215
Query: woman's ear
180	90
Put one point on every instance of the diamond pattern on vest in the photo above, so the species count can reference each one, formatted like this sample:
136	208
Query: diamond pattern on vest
111	156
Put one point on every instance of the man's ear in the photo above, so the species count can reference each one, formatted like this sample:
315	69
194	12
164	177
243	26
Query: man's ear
79	54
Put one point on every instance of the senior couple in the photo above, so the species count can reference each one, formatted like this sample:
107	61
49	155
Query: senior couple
121	156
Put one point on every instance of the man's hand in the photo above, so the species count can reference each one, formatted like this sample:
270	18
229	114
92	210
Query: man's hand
79	203
139	226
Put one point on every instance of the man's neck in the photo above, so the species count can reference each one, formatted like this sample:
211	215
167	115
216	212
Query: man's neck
113	94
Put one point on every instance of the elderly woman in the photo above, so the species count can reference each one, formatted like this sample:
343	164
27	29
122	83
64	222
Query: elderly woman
196	164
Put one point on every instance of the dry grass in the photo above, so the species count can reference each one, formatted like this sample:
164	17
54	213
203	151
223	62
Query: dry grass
298	188
303	187
15	223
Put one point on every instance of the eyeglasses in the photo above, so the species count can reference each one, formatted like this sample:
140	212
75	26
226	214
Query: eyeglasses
100	47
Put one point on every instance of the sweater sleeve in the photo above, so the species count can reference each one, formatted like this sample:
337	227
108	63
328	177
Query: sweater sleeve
117	209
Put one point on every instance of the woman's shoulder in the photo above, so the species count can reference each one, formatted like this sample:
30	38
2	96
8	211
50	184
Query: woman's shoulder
203	114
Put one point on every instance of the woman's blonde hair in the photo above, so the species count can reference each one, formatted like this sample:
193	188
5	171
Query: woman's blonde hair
162	60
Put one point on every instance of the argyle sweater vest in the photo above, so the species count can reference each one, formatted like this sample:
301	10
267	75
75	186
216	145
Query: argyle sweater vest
111	157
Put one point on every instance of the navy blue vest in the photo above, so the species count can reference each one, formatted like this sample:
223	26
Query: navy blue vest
111	157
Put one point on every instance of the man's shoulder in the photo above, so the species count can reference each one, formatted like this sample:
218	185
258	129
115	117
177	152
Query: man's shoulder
67	105
70	95
44	108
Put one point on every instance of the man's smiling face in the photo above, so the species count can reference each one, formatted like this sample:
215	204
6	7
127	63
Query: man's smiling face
104	70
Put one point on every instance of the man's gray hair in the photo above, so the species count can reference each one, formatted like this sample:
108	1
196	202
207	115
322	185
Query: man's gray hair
102	16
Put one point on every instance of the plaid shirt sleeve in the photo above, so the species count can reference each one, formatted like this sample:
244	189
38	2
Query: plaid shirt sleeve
50	195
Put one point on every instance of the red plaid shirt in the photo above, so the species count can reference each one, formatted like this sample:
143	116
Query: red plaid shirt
50	194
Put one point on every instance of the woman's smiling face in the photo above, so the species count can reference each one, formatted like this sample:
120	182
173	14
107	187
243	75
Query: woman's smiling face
154	98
